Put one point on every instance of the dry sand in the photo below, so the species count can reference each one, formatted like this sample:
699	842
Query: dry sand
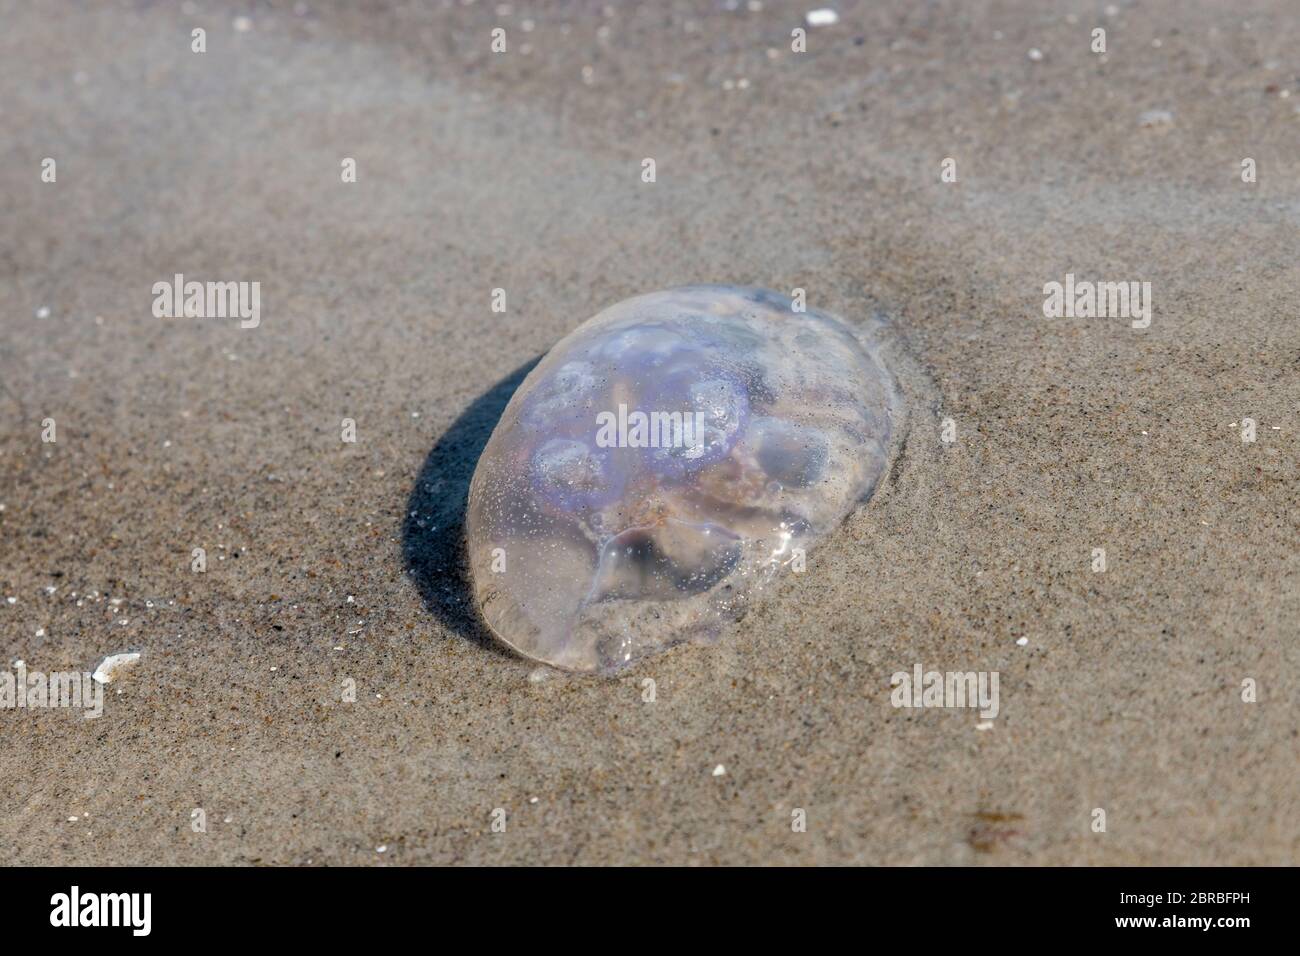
520	171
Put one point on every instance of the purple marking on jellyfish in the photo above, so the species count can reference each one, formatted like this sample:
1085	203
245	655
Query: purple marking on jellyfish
722	403
573	476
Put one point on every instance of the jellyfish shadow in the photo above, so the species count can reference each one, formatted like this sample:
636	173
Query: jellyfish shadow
433	532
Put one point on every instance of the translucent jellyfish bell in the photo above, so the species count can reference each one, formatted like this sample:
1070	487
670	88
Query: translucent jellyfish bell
663	463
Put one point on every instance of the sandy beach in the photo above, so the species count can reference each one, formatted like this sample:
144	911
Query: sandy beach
1161	687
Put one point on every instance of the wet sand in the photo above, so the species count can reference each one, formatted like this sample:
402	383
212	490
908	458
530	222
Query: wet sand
330	562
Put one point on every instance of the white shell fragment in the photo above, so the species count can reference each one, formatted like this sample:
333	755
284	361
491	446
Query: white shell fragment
114	666
663	464
821	17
